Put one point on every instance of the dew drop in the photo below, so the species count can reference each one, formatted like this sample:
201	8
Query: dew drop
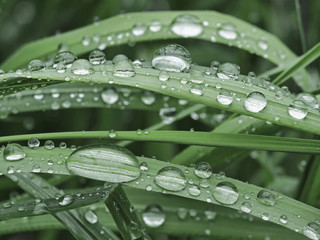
187	26
139	29
36	65
262	44
14	152
97	57
246	207
255	102
123	67
265	216
172	57
91	217
266	197
312	230
65	57
203	170
225	97
107	162
228	31
194	190
155	26
197	90
109	96
228	71
65	200
225	193
298	110
153	216
171	178
283	219
49	145
148	98
82	67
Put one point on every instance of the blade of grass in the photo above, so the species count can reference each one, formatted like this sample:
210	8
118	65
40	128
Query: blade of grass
300	26
213	139
301	62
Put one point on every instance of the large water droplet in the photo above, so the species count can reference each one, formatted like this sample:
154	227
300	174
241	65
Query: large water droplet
65	200
228	71
109	96
298	110
309	99
255	102
312	231
82	67
171	178
148	98
228	31
225	193
172	57
107	162
13	152
225	97
187	26
266	197
153	216
97	57
66	58
203	170
122	67
33	143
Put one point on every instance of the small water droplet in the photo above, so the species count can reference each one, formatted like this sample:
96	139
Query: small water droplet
298	110
225	97
283	219
225	193
266	197
122	67
139	29
65	57
203	170
65	200
91	217
97	57
155	26
171	178
36	65
153	216
109	96
49	145
187	26
228	71
82	67
172	57
246	207
194	190
255	102
197	90
148	98
228	31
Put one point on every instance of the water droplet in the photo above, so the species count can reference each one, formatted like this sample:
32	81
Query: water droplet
194	190
262	44
49	145
225	97
255	102
144	166
91	217
266	197
153	216
139	29
210	214
65	200
265	216
308	99
148	98
228	71
225	193
122	67
187	26
155	26
312	230
82	67
298	110
33	143
171	178
36	65
203	170
109	96
172	57
112	133
14	152
197	90
167	115
65	57
107	162
246	207
283	219
97	57
228	31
